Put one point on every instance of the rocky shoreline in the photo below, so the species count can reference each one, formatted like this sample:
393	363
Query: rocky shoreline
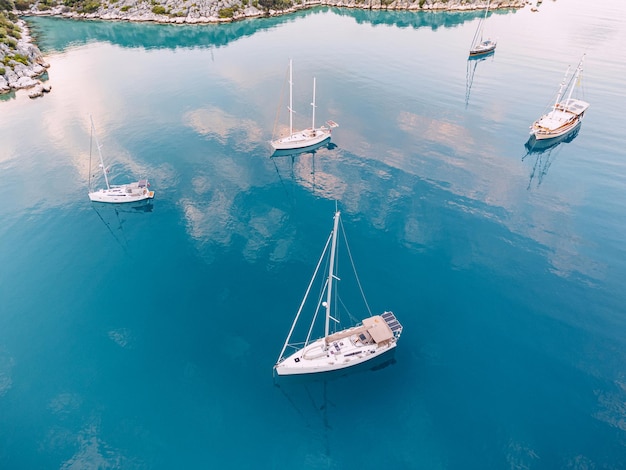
220	11
22	65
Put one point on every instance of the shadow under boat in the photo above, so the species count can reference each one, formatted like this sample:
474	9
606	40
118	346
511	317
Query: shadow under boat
310	149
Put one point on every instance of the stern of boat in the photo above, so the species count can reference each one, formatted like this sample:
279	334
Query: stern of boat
393	324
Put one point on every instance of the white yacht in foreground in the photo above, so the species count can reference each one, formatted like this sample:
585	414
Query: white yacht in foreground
339	348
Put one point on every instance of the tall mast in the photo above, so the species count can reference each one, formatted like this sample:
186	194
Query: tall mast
313	104
482	23
576	75
290	97
478	35
331	273
561	88
104	170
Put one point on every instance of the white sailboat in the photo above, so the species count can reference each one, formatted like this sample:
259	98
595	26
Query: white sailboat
338	348
479	45
307	137
121	193
566	113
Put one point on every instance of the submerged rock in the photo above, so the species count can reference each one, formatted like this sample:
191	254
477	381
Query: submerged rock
38	90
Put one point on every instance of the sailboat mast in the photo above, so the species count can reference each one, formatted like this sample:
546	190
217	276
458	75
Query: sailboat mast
478	35
331	274
575	79
313	104
290	97
104	170
482	25
90	152
561	89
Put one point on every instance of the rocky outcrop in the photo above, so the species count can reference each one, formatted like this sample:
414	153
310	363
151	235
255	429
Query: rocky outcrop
22	65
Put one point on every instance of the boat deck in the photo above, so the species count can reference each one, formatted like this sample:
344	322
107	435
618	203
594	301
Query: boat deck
574	106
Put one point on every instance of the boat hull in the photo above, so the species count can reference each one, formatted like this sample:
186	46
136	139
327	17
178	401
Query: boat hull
484	48
308	149
302	139
122	194
533	145
314	359
540	133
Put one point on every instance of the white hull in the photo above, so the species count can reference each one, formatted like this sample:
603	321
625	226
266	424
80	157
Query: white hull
302	139
123	193
375	336
339	355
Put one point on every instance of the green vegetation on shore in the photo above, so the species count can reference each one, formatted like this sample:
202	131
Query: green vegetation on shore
10	33
276	4
83	6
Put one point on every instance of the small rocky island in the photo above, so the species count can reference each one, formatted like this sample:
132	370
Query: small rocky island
21	62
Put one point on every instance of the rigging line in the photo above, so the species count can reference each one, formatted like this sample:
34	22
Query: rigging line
305	297
119	221
325	418
279	176
352	317
108	226
358	281
336	314
280	105
293	404
90	151
317	309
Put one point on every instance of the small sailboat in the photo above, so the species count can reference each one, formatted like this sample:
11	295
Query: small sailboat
307	137
566	113
121	193
481	46
338	348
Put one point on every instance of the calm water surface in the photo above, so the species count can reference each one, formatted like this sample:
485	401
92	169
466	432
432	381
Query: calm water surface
144	337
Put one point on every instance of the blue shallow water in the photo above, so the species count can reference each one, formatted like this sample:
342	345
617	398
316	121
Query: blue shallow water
144	337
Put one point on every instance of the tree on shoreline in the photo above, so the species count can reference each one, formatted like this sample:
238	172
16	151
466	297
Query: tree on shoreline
276	4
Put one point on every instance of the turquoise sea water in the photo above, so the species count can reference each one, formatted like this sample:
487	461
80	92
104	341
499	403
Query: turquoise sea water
144	337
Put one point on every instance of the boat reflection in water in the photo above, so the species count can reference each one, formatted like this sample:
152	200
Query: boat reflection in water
472	63
543	150
304	172
115	216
